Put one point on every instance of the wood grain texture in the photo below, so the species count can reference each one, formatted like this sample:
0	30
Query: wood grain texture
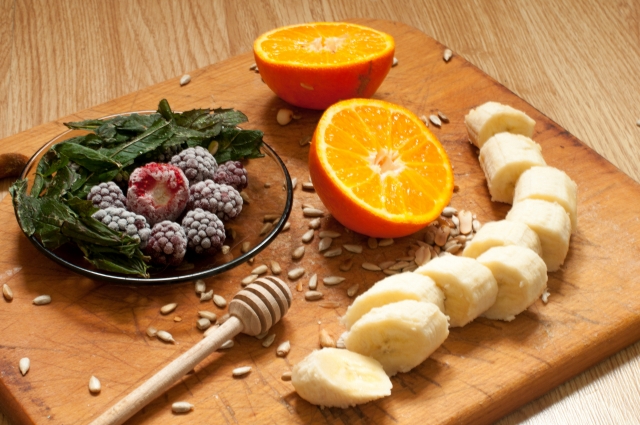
576	62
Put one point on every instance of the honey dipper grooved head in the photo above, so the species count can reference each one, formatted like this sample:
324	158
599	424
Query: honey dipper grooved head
261	304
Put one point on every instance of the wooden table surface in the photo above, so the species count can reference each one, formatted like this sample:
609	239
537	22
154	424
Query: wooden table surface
576	62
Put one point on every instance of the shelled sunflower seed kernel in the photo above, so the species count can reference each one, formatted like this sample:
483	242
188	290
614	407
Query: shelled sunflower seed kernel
324	244
275	267
443	117
42	300
266	228
94	385
435	120
425	120
219	301
206	296
271	217
261	269
210	315
165	336
353	290
151	332
7	292
286	376
284	116
313	295
296	273
447	55
307	236
330	253
315	223
266	343
245	197
168	308
200	286
395	62
332	280
227	344
249	279
24	365
177	319
386	242
298	253
326	340
356	249
299	286
340	341
181	407
312	212
328	234
386	264
308	186
371	267
283	349
225	249
286	226
185	79
313	282
203	324
241	371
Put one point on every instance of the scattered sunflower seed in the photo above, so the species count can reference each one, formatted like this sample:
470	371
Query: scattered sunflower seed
443	117
210	315
260	269
423	255
638	123
286	376
324	244
294	183
227	344
241	371
395	62
219	301
24	365
244	248
385	242
425	120
200	286
447	55
386	264
7	292
409	268
267	185
326	340
177	319
329	304
269	340
283	349
284	116
333	252
340	341
305	140
313	282
449	211
329	234
314	224
181	407
332	280
442	234
296	273
42	300
165	336
406	258
356	249
245	197
312	295
476	225
346	265
203	323
206	296
466	222
352	290
249	279
286	226
312	212
299	286
399	265
168	308
253	67
275	267
390	272
435	120
307	236
151	331
185	79
453	248
94	385
270	217
266	228
371	267
298	253
308	186
225	249
262	335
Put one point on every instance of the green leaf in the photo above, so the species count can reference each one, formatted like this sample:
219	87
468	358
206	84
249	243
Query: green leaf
148	141
88	158
236	144
62	182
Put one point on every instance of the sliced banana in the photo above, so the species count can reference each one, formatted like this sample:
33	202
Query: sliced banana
549	184
469	287
399	335
552	225
502	233
493	118
503	158
522	278
334	377
398	287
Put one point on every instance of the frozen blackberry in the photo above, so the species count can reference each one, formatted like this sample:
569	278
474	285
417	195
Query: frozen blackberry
107	195
125	221
231	173
205	231
197	164
167	244
164	154
220	199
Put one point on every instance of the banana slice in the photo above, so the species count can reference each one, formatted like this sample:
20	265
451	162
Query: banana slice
522	278
552	225
502	233
398	287
503	158
469	287
399	335
333	377
493	118
549	184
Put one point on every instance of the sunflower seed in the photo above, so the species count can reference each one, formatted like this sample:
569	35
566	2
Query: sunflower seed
308	186
372	242
443	117
245	197
442	234
275	267
266	228
385	242
206	296
24	365
227	344
423	255
42	300
308	236
352	290
203	323
267	185
390	272
466	222
305	140
286	226
225	249
240	371
286	376
168	308
284	116
452	247
346	265
185	79
314	224
219	301
435	120
386	264
181	407
445	221
200	286
312	295
313	281
332	280
305	205
333	252
283	349
253	67
94	385
395	62
447	55
328	234
249	279
324	244
409	268
7	292
371	267
425	120
294	183
449	211
295	273
270	217
165	336
312	212
399	265
151	331
340	341
329	304
476	225
268	341
177	319
356	249
326	340
260	269
406	258
209	315
430	235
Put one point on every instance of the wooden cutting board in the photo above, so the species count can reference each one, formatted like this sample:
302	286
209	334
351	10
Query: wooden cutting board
479	374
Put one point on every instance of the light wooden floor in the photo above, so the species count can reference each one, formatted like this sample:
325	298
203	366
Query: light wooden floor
576	61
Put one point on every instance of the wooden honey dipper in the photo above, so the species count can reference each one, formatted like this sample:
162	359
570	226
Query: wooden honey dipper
253	311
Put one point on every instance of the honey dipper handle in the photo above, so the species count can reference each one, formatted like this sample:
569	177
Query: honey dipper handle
171	373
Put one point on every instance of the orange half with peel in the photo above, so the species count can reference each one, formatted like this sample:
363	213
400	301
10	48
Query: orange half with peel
378	169
316	64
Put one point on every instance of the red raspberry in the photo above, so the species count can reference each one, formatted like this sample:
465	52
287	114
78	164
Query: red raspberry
158	192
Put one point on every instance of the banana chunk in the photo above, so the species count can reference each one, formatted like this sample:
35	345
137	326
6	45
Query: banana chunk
399	335
469	287
394	288
493	118
549	184
502	233
552	225
522	278
334	377
503	158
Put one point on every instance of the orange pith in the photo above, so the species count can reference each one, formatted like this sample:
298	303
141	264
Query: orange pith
378	168
317	64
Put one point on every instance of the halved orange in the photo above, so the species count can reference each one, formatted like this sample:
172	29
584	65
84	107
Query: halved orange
378	169
316	64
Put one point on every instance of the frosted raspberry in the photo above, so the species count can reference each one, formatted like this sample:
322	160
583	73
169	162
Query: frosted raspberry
107	195
125	221
220	199
167	244
205	231
158	192
197	163
231	173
